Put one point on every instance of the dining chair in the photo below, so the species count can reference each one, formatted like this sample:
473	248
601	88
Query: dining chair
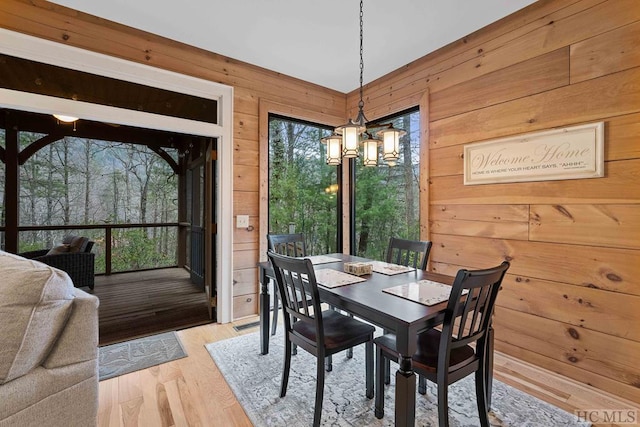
292	245
447	356
410	253
321	333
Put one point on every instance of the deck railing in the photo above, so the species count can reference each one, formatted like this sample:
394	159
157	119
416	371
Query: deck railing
118	247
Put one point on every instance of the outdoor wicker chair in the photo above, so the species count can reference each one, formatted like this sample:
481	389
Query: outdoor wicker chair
80	265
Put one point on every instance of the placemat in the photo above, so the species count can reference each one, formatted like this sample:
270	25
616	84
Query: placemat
332	278
322	259
390	269
424	292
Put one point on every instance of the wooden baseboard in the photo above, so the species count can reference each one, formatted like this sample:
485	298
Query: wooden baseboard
564	392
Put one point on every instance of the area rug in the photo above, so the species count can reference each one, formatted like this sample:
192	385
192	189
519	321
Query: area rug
134	355
255	380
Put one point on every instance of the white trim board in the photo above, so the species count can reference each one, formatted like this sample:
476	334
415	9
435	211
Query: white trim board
45	51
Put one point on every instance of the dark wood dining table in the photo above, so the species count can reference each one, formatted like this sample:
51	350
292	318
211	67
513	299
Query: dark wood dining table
367	301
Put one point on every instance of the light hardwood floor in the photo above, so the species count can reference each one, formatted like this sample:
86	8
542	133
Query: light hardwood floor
192	392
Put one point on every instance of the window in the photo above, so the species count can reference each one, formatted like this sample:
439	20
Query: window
303	190
387	198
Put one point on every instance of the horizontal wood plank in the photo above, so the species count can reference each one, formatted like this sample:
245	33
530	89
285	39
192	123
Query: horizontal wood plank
494	229
245	126
446	161
245	305
536	75
504	213
246	152
607	53
245	258
598	225
618	94
245	281
245	203
245	178
245	101
621	137
607	312
604	268
586	349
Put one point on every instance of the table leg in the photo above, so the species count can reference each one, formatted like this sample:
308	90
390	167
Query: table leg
405	393
264	312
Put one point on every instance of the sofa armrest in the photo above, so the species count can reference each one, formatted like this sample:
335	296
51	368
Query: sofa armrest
79	339
80	266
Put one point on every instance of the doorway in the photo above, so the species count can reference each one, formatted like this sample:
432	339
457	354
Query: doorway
23	46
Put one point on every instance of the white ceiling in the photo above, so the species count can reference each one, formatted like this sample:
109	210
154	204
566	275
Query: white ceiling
314	40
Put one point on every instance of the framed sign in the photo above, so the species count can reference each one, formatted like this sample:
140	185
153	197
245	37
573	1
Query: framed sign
575	152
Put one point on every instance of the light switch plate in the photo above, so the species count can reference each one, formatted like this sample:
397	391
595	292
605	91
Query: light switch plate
242	221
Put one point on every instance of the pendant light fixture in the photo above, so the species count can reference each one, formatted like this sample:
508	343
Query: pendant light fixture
66	119
345	140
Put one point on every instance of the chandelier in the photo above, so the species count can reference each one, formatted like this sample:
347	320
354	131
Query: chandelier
345	139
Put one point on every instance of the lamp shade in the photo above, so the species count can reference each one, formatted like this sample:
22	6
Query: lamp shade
370	150
350	138
391	144
334	153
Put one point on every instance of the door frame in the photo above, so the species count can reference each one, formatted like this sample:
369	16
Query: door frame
53	53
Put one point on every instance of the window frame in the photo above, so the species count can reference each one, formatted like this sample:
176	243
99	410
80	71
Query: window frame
339	176
419	109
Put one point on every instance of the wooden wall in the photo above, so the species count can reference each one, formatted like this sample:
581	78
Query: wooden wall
251	84
571	300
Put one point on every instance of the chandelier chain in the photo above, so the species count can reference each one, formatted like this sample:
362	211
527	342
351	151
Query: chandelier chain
361	103
344	141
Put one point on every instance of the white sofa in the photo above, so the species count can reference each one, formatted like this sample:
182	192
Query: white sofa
48	347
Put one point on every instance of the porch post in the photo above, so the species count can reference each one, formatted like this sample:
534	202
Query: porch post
12	171
182	215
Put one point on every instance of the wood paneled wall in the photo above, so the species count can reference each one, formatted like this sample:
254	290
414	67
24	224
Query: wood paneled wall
571	300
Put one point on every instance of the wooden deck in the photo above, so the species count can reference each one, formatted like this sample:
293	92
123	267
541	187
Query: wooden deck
148	302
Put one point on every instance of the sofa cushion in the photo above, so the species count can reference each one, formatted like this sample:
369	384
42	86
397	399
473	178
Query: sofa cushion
78	244
35	303
68	238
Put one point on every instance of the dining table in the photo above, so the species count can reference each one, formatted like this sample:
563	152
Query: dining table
371	301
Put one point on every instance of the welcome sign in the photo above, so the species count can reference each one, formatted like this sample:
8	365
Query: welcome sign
569	153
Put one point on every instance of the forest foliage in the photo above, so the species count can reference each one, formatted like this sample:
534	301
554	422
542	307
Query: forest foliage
79	181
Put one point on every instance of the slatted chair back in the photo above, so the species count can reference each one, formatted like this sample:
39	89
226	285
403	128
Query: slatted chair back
468	318
292	245
413	253
296	277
